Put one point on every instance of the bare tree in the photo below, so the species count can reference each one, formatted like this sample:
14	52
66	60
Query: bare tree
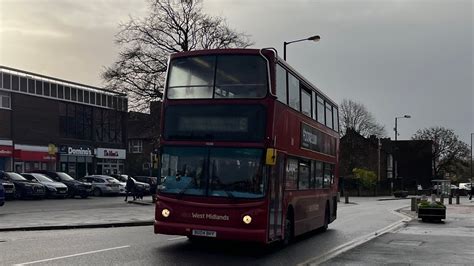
171	26
356	116
448	151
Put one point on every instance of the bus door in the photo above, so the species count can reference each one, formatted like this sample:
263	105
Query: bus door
276	195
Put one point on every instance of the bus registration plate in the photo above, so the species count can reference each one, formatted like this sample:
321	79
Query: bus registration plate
204	233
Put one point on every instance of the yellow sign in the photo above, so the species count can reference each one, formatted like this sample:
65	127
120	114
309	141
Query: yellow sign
271	156
52	150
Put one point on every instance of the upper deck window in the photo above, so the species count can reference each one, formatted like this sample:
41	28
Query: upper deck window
221	76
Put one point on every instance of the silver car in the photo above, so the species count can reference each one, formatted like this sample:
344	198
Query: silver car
102	185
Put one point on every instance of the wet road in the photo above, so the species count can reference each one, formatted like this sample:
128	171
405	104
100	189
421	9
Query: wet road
139	246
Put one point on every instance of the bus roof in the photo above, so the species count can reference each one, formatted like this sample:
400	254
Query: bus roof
253	51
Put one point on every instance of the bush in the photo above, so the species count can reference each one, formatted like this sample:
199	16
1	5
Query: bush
435	205
367	179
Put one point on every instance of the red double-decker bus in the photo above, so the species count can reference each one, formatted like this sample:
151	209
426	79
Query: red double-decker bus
249	149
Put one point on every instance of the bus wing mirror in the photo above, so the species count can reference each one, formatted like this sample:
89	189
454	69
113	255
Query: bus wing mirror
270	158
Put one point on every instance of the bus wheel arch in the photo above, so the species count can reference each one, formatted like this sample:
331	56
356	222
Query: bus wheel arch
327	215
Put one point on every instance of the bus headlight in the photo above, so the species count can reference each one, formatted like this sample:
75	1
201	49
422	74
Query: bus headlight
165	213
247	219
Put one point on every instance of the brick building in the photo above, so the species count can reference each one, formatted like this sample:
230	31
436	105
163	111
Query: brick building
53	124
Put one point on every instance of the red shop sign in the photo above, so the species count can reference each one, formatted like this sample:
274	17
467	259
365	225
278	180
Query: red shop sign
35	156
6	151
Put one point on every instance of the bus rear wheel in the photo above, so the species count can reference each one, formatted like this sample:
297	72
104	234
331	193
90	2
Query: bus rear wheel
324	228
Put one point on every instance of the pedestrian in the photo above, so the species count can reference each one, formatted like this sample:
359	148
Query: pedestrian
472	192
130	188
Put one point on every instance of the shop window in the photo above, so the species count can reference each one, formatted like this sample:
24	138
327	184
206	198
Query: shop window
5	101
135	146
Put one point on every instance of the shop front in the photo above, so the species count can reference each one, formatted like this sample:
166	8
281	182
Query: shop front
6	155
110	161
29	157
76	160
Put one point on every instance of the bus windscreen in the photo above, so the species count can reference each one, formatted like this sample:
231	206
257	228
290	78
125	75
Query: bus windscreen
215	172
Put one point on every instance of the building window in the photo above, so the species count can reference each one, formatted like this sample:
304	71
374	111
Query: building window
46	89
54	90
31	86
39	87
15	83
328	115
23	84
5	100
135	146
6	81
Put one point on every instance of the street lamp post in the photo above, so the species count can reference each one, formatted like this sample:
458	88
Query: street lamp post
396	126
395	163
314	38
471	167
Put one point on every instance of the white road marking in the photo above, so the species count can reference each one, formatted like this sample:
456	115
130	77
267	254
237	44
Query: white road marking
177	238
73	255
356	242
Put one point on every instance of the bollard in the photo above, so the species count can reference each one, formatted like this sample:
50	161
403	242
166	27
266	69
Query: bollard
457	198
450	199
338	196
413	204
346	198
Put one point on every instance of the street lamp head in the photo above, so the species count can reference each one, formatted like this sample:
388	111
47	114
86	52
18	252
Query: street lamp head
407	116
314	38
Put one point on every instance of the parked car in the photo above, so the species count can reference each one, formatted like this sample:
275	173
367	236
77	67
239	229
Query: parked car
75	187
102	184
141	187
2	195
24	188
9	187
54	189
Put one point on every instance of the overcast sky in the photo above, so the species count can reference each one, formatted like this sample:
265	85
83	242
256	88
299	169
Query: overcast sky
396	57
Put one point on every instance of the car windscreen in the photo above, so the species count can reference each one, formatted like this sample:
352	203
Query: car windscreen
65	177
217	76
42	178
17	177
217	172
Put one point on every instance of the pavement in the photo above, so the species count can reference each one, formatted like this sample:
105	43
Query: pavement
450	242
93	212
